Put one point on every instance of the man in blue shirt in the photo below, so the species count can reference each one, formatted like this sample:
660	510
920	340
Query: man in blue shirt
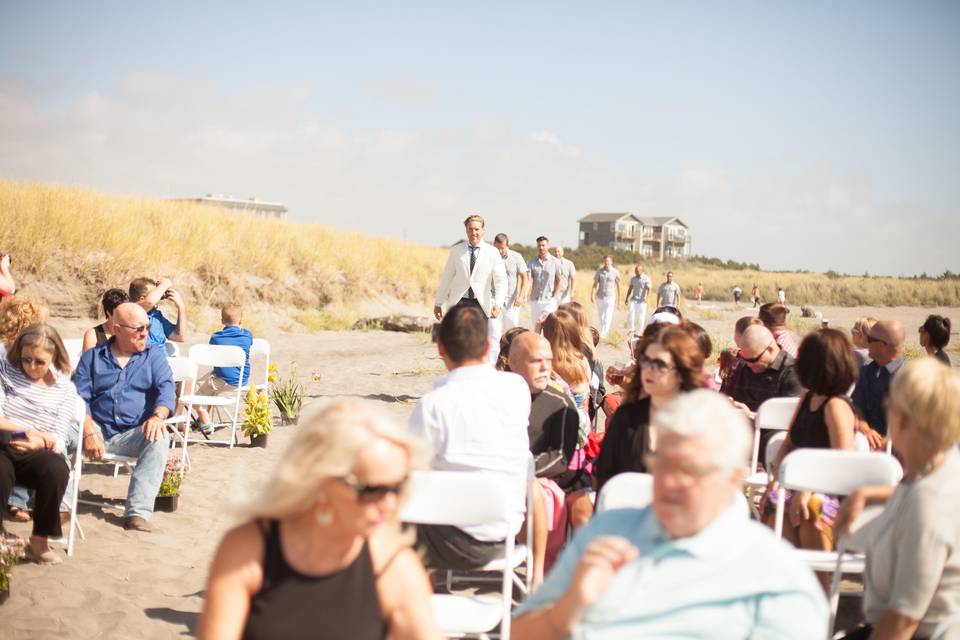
225	379
129	391
691	565
148	293
885	343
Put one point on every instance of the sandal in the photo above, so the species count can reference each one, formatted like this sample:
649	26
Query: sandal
16	514
47	557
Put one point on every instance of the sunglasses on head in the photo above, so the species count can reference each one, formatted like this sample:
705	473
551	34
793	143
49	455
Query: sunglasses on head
369	493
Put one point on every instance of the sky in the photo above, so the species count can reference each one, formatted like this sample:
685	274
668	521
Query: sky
798	135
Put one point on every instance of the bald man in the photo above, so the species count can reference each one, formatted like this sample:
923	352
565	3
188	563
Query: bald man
885	344
554	420
767	371
129	391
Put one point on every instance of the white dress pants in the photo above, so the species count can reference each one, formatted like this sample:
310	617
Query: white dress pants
539	308
511	317
605	307
494	331
636	315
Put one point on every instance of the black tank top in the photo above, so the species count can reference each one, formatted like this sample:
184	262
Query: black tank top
809	429
101	333
343	604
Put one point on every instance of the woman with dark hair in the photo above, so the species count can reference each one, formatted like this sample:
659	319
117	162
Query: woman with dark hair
667	364
95	336
824	420
506	340
934	336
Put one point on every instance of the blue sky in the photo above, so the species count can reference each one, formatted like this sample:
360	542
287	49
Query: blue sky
809	135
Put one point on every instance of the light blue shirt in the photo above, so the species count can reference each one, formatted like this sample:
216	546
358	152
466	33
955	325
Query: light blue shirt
734	579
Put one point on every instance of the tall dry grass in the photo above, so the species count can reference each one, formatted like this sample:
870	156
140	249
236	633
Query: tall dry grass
82	239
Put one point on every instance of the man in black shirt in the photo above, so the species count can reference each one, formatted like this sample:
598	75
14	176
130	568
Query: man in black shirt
768	371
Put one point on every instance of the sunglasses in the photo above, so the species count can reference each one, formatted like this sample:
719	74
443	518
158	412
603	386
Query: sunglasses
370	493
143	328
654	364
33	362
756	358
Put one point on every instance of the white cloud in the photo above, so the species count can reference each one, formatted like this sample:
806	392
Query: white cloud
155	135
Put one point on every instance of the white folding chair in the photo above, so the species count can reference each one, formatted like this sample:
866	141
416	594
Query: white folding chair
773	414
465	498
75	471
173	349
178	424
215	355
74	347
260	347
626	491
838	473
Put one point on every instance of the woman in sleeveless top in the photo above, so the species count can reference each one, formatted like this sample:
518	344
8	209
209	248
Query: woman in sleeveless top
824	420
321	555
95	336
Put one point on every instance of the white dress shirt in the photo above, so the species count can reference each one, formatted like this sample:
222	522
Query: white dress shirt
476	420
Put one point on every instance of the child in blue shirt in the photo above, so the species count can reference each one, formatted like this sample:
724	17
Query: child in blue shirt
226	379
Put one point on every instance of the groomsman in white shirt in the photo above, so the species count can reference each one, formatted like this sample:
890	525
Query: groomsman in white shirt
544	282
518	282
568	276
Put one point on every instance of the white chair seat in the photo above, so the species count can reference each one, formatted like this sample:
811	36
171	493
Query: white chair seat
826	561
211	401
456	615
112	457
758	480
519	557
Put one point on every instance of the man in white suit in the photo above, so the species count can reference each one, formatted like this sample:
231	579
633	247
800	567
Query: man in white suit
474	275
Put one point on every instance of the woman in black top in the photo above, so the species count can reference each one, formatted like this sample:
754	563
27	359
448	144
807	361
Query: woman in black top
824	419
934	336
668	363
322	555
95	336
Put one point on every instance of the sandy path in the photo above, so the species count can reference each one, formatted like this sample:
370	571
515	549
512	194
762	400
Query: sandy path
130	585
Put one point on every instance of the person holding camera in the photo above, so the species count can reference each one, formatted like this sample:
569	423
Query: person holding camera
7	286
148	293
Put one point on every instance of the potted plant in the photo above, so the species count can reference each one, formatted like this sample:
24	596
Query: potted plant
11	551
257	419
168	497
287	395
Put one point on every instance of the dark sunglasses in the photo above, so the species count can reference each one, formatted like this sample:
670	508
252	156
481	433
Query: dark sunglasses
656	364
143	328
755	359
370	493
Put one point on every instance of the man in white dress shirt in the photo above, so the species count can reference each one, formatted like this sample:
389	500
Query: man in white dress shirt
474	275
476	420
568	276
606	293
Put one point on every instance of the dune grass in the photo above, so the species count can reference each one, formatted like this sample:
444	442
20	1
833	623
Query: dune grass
91	241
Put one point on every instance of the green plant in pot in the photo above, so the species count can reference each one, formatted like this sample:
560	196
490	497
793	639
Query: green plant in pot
287	395
168	497
257	417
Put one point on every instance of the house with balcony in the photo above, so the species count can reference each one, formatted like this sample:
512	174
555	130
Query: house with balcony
653	237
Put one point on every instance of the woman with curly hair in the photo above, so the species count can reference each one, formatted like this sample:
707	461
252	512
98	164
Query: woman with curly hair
16	313
668	363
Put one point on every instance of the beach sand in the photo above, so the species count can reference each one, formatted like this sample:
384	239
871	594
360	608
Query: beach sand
123	584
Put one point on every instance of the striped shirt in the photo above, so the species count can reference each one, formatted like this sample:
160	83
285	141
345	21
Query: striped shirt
30	405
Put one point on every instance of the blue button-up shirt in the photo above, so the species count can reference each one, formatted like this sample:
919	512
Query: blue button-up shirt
122	398
734	579
160	328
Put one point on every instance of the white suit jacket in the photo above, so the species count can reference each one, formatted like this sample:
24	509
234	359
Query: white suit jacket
488	275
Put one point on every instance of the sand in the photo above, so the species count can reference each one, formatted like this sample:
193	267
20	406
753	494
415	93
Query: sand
123	584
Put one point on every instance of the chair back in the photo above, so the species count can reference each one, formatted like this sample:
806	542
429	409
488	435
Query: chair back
774	444
776	413
260	347
837	472
217	355
183	368
626	491
457	498
74	347
173	349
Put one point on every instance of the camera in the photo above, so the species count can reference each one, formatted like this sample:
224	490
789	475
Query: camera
166	294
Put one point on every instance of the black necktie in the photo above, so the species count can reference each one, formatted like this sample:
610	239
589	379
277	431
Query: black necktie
473	258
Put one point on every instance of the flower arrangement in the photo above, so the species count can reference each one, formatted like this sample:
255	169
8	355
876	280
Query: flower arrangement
257	418
287	394
11	551
172	478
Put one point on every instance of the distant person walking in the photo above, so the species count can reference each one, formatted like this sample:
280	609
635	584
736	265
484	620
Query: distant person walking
669	293
606	292
545	282
568	273
737	294
781	295
699	292
755	295
637	293
474	275
518	282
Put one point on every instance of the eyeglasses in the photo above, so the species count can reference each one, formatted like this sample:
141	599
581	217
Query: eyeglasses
143	328
370	493
871	340
654	364
684	475
756	358
33	362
